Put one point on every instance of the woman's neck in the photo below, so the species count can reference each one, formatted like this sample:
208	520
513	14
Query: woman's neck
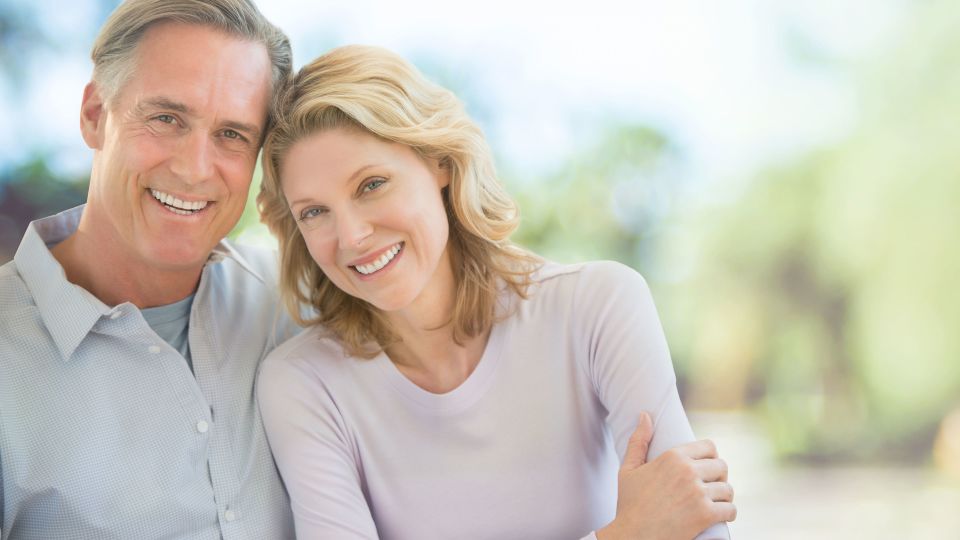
426	352
432	360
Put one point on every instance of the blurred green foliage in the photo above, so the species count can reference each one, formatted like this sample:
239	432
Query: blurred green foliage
29	191
603	203
825	295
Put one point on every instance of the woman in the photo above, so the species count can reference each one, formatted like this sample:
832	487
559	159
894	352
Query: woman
452	384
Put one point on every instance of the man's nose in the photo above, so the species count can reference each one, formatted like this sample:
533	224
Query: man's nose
193	162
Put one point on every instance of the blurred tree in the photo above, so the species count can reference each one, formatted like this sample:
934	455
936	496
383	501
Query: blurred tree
30	191
28	188
605	203
827	294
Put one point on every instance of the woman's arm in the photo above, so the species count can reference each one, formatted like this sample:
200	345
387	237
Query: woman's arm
629	363
691	493
311	447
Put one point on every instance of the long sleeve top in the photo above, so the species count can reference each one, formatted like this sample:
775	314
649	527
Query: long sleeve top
529	446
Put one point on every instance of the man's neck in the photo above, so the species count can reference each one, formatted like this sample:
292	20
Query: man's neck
115	278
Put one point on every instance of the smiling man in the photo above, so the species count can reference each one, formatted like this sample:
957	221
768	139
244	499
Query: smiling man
131	332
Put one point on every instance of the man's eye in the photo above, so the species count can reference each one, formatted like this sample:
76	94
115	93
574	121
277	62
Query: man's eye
166	118
373	184
231	134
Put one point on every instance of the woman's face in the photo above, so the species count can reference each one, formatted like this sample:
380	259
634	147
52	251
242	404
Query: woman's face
372	215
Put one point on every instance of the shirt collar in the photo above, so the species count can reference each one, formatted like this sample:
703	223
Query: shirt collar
225	250
68	310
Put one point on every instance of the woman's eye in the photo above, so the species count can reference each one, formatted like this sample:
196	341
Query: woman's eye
373	184
310	213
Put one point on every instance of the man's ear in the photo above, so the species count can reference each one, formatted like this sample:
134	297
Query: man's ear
93	116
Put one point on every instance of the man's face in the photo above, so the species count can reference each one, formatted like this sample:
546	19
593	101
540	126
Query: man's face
176	147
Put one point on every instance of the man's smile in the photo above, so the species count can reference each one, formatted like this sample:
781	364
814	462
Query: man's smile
178	206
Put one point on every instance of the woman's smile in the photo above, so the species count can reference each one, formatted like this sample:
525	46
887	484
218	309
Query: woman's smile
376	266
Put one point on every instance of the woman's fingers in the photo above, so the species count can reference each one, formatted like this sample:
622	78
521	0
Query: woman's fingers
724	511
711	470
702	449
639	443
719	491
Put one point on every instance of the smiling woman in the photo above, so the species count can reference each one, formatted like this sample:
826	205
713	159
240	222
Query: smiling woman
447	368
347	185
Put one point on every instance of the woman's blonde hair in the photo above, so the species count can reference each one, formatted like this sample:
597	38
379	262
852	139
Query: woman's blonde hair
374	90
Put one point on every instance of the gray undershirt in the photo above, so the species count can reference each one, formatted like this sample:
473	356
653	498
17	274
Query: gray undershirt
172	322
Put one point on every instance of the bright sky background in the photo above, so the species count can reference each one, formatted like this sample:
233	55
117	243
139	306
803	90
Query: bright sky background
737	83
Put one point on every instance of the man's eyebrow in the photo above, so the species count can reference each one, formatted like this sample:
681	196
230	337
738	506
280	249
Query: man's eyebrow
165	103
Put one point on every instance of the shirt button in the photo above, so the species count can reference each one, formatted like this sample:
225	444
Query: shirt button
203	426
229	515
155	349
116	314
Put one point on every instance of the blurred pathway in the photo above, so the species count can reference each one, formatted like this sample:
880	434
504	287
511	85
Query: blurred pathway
827	503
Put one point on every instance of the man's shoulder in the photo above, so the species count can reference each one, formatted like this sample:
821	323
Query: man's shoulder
14	293
244	285
9	275
20	323
235	267
261	261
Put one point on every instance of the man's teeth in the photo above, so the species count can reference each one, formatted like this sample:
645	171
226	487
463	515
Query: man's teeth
387	256
177	206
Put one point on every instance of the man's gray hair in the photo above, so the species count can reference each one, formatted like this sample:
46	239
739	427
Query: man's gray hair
115	47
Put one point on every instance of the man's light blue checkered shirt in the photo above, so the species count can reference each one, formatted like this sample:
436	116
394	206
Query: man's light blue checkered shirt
104	431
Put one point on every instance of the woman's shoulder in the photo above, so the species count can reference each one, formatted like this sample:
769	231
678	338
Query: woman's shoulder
585	288
592	275
312	351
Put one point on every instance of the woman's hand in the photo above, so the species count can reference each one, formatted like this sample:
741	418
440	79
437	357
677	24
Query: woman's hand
675	496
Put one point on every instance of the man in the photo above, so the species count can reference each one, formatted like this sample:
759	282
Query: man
130	332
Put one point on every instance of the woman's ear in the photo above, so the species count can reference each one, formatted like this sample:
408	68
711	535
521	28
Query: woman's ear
443	172
93	116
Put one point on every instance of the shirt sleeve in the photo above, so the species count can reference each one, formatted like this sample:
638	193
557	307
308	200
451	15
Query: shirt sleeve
629	361
312	448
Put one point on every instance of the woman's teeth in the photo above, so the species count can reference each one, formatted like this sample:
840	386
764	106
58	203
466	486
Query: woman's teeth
388	255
